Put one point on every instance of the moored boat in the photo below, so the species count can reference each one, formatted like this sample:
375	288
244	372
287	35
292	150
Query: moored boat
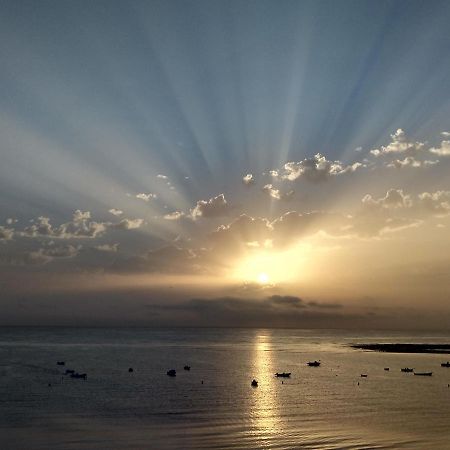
407	369
254	383
172	373
283	374
446	364
423	374
313	363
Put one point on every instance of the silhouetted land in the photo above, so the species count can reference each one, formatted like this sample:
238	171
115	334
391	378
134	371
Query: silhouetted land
406	348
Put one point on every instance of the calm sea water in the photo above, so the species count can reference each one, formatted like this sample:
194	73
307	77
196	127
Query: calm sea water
317	408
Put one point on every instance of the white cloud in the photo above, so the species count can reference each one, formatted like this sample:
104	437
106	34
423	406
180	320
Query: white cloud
126	224
400	144
162	177
410	161
175	215
271	191
6	234
214	207
115	212
111	248
445	133
443	150
394	198
146	197
248	179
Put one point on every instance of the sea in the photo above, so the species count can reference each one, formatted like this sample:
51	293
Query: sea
213	405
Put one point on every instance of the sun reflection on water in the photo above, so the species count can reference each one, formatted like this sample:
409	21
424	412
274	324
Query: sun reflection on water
265	407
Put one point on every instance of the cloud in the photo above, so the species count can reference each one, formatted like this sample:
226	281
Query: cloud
214	207
317	169
443	150
175	215
399	145
446	133
248	179
6	234
126	224
41	256
115	212
146	197
435	202
271	311
271	191
111	248
80	227
167	259
394	198
410	161
162	177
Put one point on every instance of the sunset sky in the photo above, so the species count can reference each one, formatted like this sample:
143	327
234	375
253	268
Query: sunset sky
227	163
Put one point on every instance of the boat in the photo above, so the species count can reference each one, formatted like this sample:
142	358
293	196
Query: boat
313	363
172	373
386	368
407	369
69	372
130	369
364	375
254	383
423	374
79	375
283	374
187	367
446	364
60	363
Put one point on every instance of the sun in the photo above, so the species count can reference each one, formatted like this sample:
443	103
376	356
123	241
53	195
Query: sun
263	278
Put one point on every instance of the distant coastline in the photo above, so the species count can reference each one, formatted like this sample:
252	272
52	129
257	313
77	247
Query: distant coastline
405	348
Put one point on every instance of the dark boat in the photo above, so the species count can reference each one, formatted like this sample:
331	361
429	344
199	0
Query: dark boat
283	374
407	369
254	383
130	369
60	363
364	375
172	373
187	367
82	376
386	368
423	374
446	364
69	371
313	363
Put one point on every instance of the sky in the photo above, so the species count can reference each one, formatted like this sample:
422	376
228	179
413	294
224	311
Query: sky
225	163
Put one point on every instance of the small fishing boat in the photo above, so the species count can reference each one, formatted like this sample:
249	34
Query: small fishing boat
283	374
187	367
172	373
82	376
69	372
60	363
386	368
313	363
423	374
130	369
364	375
446	364
407	369
254	383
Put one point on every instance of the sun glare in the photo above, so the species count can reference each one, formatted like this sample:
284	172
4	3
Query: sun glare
263	278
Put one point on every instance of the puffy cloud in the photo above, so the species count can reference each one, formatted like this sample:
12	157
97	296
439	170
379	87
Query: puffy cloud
79	227
410	161
248	179
274	173
6	234
276	193
126	224
175	215
317	169
115	212
162	177
214	207
271	191
111	248
435	202
146	197
446	133
394	198
443	150
400	144
41	256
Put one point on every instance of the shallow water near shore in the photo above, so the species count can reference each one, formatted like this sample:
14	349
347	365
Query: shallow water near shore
316	408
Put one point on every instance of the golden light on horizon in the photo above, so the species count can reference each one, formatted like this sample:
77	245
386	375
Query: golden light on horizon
263	278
